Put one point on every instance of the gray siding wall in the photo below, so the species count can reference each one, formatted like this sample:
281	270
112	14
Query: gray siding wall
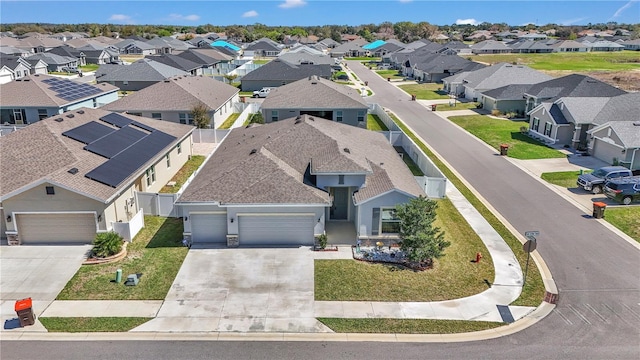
349	116
365	211
325	181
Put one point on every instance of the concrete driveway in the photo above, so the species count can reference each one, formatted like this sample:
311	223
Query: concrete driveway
241	290
39	272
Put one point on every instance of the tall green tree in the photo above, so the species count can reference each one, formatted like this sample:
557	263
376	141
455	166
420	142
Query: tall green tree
420	239
200	113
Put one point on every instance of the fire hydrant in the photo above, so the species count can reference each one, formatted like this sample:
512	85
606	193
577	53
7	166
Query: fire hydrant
478	257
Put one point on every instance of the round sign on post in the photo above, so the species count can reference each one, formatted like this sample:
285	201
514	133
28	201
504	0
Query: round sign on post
529	246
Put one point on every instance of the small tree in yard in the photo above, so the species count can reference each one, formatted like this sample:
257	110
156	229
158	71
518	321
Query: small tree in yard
107	244
420	240
200	113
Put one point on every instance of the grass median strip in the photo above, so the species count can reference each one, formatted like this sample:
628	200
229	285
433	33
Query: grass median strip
533	292
406	326
502	131
565	179
627	219
97	324
156	252
426	91
453	276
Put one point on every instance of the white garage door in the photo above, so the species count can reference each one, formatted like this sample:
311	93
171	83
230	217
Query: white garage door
606	152
276	230
56	228
208	228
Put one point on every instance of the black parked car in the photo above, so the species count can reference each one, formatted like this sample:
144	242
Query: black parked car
624	191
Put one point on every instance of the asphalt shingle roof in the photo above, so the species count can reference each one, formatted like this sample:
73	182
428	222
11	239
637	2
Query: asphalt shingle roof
31	91
141	70
179	93
574	85
628	132
503	74
40	152
314	93
282	70
266	164
509	92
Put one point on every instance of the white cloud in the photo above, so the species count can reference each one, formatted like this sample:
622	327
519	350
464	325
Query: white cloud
622	9
467	22
572	21
184	17
121	18
250	13
288	4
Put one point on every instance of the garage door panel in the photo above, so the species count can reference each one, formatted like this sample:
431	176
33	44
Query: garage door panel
606	152
276	230
208	228
56	228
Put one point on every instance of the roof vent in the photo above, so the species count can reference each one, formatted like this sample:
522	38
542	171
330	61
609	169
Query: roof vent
637	123
253	151
80	111
59	119
347	150
310	118
69	116
73	171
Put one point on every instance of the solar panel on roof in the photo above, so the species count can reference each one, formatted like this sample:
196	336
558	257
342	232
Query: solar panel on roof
116	170
143	126
64	88
89	132
115	142
116	119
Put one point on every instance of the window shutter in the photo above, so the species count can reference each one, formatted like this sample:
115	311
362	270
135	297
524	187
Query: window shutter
375	221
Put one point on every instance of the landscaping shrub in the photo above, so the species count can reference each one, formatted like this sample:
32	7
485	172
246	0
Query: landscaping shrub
496	112
257	118
322	241
107	244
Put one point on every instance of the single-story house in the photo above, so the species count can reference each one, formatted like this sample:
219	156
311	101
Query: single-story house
304	57
173	100
506	99
435	67
569	46
136	47
262	48
498	75
178	62
633	45
55	63
138	75
71	176
617	141
281	183
278	72
490	47
36	97
567	121
604	45
316	97
349	49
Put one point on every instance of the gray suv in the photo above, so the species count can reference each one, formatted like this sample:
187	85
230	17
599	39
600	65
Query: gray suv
594	181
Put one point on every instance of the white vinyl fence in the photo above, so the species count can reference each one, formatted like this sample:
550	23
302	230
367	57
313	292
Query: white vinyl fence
129	230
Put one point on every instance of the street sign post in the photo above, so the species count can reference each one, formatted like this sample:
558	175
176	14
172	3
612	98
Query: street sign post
529	246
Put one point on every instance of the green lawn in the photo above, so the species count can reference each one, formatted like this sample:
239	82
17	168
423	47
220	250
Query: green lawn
453	276
426	91
262	61
584	61
183	174
457	106
496	132
156	252
375	124
230	120
338	73
626	219
89	67
245	93
415	170
100	324
406	326
533	291
565	179
393	74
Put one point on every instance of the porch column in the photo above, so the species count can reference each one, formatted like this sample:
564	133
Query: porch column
575	141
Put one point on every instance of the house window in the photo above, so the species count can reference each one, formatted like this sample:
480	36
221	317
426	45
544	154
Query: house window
274	115
42	114
95	103
185	118
341	179
50	190
360	115
389	221
339	116
168	158
125	82
179	147
156	116
150	174
536	124
547	129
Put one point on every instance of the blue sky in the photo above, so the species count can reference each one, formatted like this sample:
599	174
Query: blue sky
320	12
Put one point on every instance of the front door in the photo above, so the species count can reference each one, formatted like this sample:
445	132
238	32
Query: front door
339	210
